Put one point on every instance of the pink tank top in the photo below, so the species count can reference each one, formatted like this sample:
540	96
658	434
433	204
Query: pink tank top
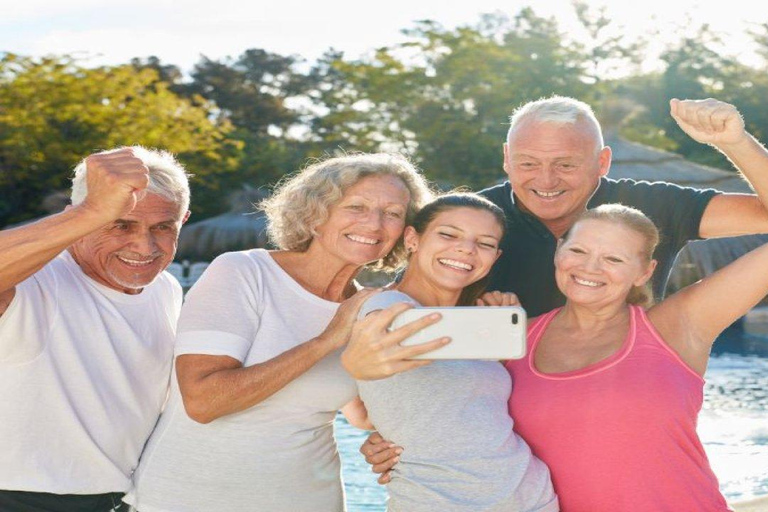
618	435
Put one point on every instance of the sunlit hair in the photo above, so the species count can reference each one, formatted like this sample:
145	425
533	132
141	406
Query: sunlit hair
167	177
301	202
638	222
559	110
452	201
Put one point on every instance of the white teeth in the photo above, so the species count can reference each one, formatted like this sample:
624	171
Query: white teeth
456	264
548	194
586	283
362	239
135	263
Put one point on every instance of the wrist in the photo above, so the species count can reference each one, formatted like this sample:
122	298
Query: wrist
745	143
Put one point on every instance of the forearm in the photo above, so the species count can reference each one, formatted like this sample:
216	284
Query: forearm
209	395
26	249
751	159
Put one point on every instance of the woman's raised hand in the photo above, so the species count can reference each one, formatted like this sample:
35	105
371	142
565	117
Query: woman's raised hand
374	351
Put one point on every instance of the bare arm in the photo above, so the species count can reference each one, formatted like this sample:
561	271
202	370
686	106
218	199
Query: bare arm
720	125
357	414
214	386
114	181
691	319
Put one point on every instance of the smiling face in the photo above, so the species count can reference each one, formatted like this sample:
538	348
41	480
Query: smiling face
132	251
366	222
554	169
600	262
457	248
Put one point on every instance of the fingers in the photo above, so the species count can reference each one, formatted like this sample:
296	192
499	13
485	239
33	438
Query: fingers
408	352
385	459
385	478
385	466
497	298
411	328
116	181
374	444
707	116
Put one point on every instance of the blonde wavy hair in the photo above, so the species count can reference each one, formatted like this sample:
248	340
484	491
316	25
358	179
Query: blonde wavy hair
638	222
301	202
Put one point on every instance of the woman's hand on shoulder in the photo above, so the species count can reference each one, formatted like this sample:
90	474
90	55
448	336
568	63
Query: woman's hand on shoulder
497	298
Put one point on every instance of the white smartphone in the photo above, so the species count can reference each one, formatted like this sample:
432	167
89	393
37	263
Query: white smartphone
492	332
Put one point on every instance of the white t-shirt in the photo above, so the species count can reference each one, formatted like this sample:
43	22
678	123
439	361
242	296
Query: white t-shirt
84	375
280	454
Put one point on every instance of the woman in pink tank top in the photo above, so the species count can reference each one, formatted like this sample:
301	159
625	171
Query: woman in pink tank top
609	392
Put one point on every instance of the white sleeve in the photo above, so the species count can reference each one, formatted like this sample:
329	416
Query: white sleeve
222	312
25	326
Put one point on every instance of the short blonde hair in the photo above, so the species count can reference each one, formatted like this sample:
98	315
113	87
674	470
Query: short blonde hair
301	202
638	222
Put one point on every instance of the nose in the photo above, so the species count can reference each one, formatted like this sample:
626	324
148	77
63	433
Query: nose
592	264
466	246
144	243
374	219
547	177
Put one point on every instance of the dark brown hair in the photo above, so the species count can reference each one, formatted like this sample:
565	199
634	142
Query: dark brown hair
451	201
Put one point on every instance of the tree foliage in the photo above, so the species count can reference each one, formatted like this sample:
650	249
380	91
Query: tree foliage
54	112
442	97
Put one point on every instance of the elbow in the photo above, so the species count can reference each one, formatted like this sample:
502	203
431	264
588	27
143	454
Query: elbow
198	409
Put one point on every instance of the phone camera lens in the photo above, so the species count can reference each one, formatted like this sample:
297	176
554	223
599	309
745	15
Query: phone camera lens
514	318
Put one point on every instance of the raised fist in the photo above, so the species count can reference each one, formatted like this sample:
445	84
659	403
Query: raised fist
116	180
709	121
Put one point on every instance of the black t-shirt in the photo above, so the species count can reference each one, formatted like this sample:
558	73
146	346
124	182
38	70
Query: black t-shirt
526	265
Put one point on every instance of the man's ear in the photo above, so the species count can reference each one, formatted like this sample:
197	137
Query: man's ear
604	160
186	217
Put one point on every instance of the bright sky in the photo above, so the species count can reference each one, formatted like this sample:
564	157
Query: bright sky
179	31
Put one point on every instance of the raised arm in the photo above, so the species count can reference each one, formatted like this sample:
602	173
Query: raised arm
692	318
115	181
720	125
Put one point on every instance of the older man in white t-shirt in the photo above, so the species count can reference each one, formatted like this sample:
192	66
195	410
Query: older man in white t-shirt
87	322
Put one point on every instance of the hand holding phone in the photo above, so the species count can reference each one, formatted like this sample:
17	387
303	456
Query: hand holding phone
494	333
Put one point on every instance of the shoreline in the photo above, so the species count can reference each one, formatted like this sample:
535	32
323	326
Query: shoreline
759	504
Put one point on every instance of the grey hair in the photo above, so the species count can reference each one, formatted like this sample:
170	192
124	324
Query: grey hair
556	109
167	177
301	202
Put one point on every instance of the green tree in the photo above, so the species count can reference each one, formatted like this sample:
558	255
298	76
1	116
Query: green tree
54	112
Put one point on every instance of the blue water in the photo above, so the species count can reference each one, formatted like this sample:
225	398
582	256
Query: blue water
733	426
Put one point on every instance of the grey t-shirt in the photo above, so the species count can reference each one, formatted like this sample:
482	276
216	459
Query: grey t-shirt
460	451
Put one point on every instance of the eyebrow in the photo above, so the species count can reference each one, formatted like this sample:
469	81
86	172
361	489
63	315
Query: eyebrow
135	222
